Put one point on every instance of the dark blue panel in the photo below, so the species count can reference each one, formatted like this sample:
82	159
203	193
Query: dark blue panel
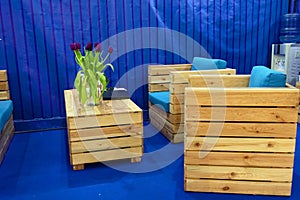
41	60
183	29
33	70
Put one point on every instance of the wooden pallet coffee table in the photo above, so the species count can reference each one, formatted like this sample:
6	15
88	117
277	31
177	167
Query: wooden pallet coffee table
110	131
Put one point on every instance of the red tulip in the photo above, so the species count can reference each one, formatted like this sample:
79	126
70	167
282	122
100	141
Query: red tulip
110	49
89	46
73	46
78	47
98	47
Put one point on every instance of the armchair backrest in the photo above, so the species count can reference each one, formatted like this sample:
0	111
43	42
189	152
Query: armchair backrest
4	89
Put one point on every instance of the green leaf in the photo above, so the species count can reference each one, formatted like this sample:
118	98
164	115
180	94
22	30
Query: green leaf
110	65
77	81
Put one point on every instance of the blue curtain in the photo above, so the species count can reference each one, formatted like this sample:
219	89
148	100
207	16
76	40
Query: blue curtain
35	37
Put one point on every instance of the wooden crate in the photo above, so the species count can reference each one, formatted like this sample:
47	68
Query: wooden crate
111	131
173	78
7	132
240	140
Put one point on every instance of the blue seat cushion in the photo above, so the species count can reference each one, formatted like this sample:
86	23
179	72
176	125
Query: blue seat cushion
6	108
160	99
200	63
262	76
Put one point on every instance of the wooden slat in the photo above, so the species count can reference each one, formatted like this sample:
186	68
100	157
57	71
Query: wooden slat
178	88
6	136
240	144
177	109
105	144
99	156
240	159
159	79
3	85
241	129
166	69
244	187
4	95
183	77
241	114
157	87
177	99
175	128
219	81
173	118
238	173
104	120
106	132
242	96
3	75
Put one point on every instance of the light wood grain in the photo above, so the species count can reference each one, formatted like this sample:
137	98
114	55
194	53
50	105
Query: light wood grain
240	144
158	87
244	187
3	75
257	130
173	118
219	80
166	69
159	79
238	173
3	85
240	159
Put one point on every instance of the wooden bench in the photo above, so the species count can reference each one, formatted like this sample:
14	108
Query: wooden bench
173	78
7	131
239	139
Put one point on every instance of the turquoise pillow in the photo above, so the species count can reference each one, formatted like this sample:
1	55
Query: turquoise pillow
160	99
262	76
6	108
200	63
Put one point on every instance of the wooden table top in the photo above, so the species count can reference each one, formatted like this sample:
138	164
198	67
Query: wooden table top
75	109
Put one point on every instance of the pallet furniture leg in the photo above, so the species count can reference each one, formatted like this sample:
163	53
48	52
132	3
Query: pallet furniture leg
78	167
134	160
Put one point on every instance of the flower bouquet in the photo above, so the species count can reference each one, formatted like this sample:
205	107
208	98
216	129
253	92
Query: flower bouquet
90	80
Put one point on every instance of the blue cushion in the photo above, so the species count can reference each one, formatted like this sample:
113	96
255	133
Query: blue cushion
160	99
262	76
6	108
200	63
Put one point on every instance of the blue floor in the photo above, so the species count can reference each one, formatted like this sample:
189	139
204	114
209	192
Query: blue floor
37	167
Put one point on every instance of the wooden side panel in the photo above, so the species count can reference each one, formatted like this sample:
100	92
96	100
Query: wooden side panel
104	120
159	79
105	144
219	80
257	130
176	99
183	77
157	87
3	86
247	159
99	156
173	118
242	97
135	130
166	69
241	114
244	187
6	137
4	95
239	173
3	75
240	144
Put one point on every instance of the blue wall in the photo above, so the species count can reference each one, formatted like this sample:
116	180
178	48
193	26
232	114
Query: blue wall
36	35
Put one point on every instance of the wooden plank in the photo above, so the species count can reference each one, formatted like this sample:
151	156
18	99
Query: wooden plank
240	144
183	77
3	75
172	118
175	128
240	159
177	99
178	88
277	130
171	135
176	109
239	187
4	95
166	69
241	114
104	120
99	156
106	132
219	80
238	173
3	85
242	96
6	136
105	144
157	87
159	79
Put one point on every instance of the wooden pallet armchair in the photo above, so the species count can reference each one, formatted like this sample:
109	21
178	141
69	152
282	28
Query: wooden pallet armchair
6	118
239	139
172	79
